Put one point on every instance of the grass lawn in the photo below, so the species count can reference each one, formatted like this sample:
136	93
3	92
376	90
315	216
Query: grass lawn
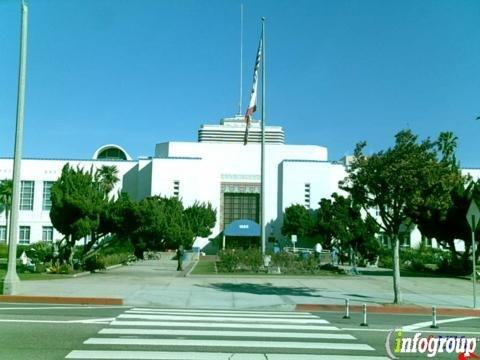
32	276
204	268
207	267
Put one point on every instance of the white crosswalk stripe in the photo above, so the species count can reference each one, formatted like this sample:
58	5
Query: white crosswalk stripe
174	334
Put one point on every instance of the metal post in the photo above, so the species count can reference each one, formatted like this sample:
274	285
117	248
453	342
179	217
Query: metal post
262	217
474	279
364	316
241	60
434	318
347	310
11	279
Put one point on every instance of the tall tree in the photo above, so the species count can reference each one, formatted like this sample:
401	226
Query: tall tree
341	219
162	225
106	178
394	181
77	202
201	218
298	220
6	193
445	220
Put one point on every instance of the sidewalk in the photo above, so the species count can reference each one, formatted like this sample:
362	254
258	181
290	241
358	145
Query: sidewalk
157	283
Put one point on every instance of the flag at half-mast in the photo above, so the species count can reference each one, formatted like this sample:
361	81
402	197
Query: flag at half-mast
252	105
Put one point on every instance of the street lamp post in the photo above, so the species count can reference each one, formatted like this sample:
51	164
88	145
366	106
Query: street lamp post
473	217
11	279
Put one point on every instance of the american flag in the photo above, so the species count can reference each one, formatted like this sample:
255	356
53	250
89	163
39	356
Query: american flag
252	106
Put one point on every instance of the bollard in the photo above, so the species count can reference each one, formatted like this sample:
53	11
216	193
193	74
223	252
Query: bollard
364	316
434	318
347	310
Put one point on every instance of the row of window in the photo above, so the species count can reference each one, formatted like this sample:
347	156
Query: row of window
24	234
27	192
307	196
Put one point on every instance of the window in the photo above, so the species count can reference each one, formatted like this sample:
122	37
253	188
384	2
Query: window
426	241
384	240
404	238
307	196
26	195
47	233
24	235
238	206
3	233
176	188
46	201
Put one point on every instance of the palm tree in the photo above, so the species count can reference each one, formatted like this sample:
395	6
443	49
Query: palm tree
6	192
107	177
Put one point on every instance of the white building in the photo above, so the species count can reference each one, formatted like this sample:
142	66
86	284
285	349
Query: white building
218	169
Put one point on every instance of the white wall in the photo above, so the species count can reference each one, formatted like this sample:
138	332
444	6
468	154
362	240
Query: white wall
40	170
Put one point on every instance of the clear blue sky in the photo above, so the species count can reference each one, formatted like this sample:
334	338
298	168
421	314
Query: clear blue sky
139	72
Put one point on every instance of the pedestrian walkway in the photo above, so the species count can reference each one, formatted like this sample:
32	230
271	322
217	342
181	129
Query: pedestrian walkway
156	283
154	333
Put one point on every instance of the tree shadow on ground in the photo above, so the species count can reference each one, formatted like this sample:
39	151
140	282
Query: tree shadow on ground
264	289
270	289
405	273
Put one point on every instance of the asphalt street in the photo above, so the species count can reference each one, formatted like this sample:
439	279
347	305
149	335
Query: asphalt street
86	332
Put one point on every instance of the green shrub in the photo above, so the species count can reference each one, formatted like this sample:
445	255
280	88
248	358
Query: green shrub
94	263
115	259
228	260
250	259
286	261
3	251
59	269
21	249
40	252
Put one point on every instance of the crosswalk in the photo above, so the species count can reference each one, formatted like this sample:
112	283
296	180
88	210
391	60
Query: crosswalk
187	334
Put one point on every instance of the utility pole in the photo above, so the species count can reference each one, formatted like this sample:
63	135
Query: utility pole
11	279
262	175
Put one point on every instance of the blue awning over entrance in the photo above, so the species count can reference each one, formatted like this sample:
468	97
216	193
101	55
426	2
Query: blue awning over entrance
242	228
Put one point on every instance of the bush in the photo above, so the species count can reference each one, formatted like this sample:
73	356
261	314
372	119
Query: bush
94	263
40	252
229	260
115	259
251	259
59	269
3	251
286	261
21	249
232	260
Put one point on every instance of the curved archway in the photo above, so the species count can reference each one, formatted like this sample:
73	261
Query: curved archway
111	152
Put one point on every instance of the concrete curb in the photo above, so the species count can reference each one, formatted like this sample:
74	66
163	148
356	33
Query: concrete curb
390	309
60	300
85	273
192	265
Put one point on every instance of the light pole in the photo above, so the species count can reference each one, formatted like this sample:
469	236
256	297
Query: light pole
11	279
473	217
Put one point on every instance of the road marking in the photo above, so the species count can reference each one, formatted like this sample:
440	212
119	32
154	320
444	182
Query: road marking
223	313
220	319
164	355
85	321
223	333
208	311
93	321
230	343
428	323
64	307
224	325
414	331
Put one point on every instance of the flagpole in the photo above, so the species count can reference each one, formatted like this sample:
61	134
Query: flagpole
11	278
241	60
262	164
